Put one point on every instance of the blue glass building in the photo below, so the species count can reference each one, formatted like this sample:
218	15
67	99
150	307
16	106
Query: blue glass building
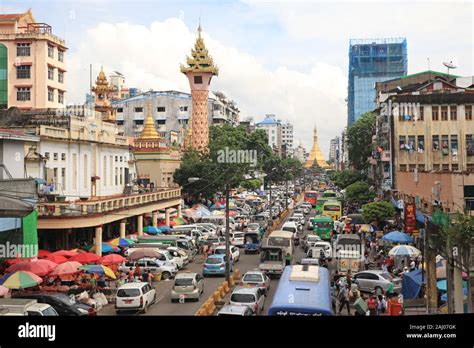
370	61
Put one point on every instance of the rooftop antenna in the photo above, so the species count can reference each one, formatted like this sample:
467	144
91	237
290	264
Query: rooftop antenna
450	65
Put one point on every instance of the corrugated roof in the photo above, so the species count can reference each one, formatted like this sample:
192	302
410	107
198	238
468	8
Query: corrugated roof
10	16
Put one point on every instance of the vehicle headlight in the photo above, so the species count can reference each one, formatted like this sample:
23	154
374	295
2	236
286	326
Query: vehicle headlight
82	310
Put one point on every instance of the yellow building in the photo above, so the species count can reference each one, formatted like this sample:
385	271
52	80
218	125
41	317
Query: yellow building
32	63
315	156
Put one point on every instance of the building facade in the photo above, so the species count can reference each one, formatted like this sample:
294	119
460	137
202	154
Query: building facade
273	127
371	61
334	150
32	63
433	146
287	137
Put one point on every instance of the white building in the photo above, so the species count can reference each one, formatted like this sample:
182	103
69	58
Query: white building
299	153
287	137
273	128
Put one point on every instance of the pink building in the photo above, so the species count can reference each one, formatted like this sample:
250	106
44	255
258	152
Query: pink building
32	63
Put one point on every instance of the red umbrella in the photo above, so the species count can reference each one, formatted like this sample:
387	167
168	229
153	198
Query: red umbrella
111	259
18	259
39	267
56	258
65	253
43	253
66	268
85	258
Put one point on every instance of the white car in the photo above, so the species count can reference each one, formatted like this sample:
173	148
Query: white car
234	251
135	296
290	226
315	250
299	216
180	254
237	238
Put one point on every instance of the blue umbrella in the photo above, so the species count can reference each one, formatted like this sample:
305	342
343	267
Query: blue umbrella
397	237
442	286
164	228
152	230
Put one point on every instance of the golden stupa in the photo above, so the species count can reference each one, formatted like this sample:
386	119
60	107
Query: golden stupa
149	129
316	157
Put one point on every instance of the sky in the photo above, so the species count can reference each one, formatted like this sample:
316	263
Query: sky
288	58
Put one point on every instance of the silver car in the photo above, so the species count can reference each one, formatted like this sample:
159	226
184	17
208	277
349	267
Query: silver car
376	281
252	297
187	285
229	310
258	279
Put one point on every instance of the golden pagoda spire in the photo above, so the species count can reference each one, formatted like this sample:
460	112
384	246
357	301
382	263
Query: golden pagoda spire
315	155
149	129
200	60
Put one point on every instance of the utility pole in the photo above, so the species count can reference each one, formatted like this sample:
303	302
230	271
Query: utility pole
432	291
286	195
227	235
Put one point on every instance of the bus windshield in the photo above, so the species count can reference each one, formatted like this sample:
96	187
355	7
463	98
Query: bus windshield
329	194
279	241
332	207
324	224
311	194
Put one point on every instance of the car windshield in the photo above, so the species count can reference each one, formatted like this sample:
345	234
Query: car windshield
251	239
279	241
253	226
65	298
213	260
242	298
386	276
128	293
220	251
289	229
183	282
313	238
252	277
238	235
324	224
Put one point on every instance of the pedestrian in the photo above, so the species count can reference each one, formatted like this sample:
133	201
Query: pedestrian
334	290
372	305
150	277
366	261
344	299
288	259
381	305
349	278
412	265
145	275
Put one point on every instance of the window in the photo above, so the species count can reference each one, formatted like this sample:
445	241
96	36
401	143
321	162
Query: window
105	170
445	144
23	94
468	112
453	113
60	55
46	155
469	145
138	109
411	143
411	167
402	142
116	176
435	113
198	79
23	72
50	73
454	143
85	171
444	113
183	108
63	156
121	158
138	122
445	167
403	167
74	171
454	166
55	156
161	109
470	167
50	51
116	158
60	76
119	122
435	141
55	175
421	167
121	176
23	50
51	94
119	109
421	144
60	97
111	170
421	113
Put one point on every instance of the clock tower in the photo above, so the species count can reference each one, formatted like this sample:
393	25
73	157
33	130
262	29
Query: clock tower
103	96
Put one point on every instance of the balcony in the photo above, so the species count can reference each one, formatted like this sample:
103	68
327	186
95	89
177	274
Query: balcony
33	31
97	206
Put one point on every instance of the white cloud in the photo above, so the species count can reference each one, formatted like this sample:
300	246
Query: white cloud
149	57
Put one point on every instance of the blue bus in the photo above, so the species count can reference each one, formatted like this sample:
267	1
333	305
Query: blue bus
303	290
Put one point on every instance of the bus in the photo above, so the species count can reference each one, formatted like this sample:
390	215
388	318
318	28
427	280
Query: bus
322	226
303	290
319	205
311	197
329	194
332	209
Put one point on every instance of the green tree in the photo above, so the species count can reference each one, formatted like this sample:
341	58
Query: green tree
378	211
251	185
359	139
359	193
346	177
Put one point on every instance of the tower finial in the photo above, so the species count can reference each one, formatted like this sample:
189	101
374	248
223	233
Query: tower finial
199	27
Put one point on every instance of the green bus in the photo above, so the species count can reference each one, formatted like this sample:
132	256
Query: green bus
319	205
329	194
322	226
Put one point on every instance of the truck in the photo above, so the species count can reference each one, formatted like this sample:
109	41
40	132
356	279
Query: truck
348	253
272	260
25	307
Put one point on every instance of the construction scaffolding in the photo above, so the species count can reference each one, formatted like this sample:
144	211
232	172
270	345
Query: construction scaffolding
371	61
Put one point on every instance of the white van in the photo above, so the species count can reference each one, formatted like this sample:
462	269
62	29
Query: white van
283	239
290	226
135	296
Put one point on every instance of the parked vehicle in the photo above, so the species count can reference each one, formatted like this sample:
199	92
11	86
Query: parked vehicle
62	303
135	296
234	252
153	265
187	285
216	265
25	307
376	281
252	297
